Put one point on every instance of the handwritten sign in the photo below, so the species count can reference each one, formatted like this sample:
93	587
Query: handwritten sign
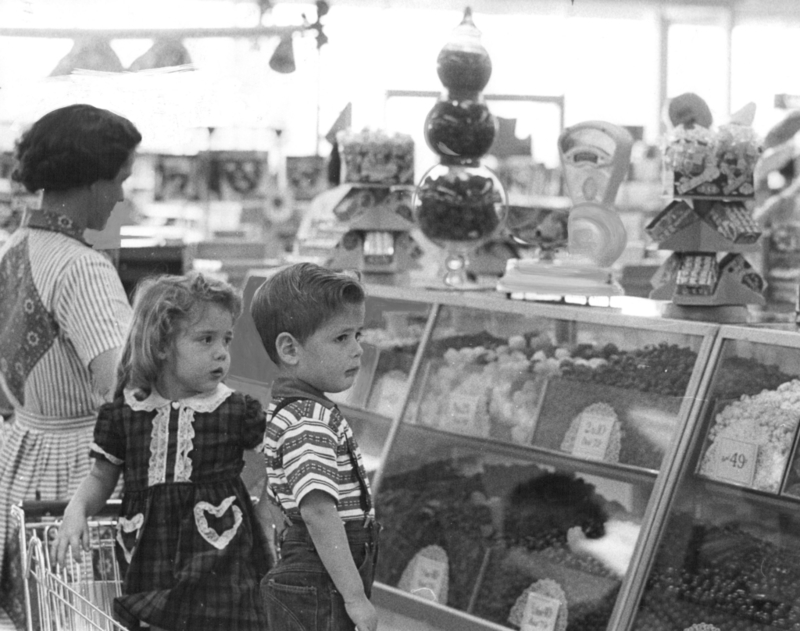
735	460
541	613
594	432
463	416
428	578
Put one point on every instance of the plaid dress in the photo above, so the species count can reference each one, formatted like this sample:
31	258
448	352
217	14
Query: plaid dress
188	539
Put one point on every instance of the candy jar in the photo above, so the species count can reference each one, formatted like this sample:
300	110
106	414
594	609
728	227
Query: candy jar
459	207
459	203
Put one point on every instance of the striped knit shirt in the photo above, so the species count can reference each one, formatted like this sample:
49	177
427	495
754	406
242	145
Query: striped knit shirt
82	291
309	446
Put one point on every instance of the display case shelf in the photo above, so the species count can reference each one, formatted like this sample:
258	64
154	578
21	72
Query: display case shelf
748	496
547	457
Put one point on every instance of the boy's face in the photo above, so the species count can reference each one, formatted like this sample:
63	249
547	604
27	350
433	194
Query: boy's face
330	358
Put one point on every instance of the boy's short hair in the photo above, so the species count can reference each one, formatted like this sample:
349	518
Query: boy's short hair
298	300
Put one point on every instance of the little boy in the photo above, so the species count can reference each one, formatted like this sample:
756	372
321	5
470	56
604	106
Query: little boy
310	321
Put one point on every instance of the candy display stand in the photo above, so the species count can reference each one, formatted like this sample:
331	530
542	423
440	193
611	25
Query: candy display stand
707	225
366	227
459	203
595	156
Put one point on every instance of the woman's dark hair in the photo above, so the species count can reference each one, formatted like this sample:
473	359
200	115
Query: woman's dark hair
73	146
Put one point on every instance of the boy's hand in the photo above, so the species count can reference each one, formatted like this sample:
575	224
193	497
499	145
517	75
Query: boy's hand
73	533
363	614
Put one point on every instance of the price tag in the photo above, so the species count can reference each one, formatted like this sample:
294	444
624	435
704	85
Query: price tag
735	460
462	412
593	435
541	613
428	578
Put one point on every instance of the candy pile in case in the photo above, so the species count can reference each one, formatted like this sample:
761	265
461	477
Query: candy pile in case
510	376
374	157
660	368
538	517
768	420
727	577
475	511
435	505
746	376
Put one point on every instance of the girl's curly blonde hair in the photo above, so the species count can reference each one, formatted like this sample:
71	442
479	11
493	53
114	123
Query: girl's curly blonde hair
162	307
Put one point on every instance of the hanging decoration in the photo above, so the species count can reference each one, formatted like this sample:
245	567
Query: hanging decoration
89	53
164	53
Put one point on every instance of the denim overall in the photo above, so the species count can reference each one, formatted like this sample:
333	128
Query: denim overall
298	594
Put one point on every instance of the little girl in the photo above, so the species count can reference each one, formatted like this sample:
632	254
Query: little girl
188	541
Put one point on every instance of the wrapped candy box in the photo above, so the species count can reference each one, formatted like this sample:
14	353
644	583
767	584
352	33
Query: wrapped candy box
375	157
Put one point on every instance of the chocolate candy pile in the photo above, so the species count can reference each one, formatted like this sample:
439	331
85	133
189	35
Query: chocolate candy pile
662	369
729	578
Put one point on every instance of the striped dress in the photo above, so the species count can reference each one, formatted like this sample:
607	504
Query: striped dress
61	305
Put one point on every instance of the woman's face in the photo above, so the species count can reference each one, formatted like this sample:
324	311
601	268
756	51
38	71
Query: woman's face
106	194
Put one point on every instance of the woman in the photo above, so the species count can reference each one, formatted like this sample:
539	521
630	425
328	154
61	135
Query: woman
63	316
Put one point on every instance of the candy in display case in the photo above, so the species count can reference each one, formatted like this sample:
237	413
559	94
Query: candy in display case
477	489
727	550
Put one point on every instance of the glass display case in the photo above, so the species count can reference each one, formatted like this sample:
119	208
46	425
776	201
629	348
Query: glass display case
525	459
393	329
726	545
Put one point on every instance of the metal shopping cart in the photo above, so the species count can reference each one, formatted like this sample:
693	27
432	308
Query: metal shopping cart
77	597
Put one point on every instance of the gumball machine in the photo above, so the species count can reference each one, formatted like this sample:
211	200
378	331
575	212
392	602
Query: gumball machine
459	203
594	157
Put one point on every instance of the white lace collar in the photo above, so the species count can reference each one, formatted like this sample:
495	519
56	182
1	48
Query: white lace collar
201	403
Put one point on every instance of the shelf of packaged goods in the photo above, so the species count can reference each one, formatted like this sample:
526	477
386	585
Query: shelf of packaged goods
418	613
537	455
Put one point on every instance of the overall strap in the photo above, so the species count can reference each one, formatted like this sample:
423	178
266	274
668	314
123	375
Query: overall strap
283	403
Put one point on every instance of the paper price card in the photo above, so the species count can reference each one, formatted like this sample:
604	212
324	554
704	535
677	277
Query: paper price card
735	460
462	412
541	613
428	578
593	435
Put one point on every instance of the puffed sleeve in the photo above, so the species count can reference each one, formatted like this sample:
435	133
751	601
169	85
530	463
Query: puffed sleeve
109	435
254	424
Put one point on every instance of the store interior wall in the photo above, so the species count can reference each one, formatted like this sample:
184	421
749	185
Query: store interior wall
605	58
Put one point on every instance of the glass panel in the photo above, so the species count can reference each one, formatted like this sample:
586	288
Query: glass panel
477	512
392	332
728	556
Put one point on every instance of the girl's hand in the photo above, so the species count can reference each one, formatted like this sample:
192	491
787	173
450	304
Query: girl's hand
363	614
73	533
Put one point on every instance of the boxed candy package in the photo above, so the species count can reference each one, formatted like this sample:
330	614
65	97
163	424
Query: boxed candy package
375	157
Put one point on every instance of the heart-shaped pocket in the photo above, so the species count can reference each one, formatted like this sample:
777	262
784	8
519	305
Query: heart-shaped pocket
128	534
217	539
